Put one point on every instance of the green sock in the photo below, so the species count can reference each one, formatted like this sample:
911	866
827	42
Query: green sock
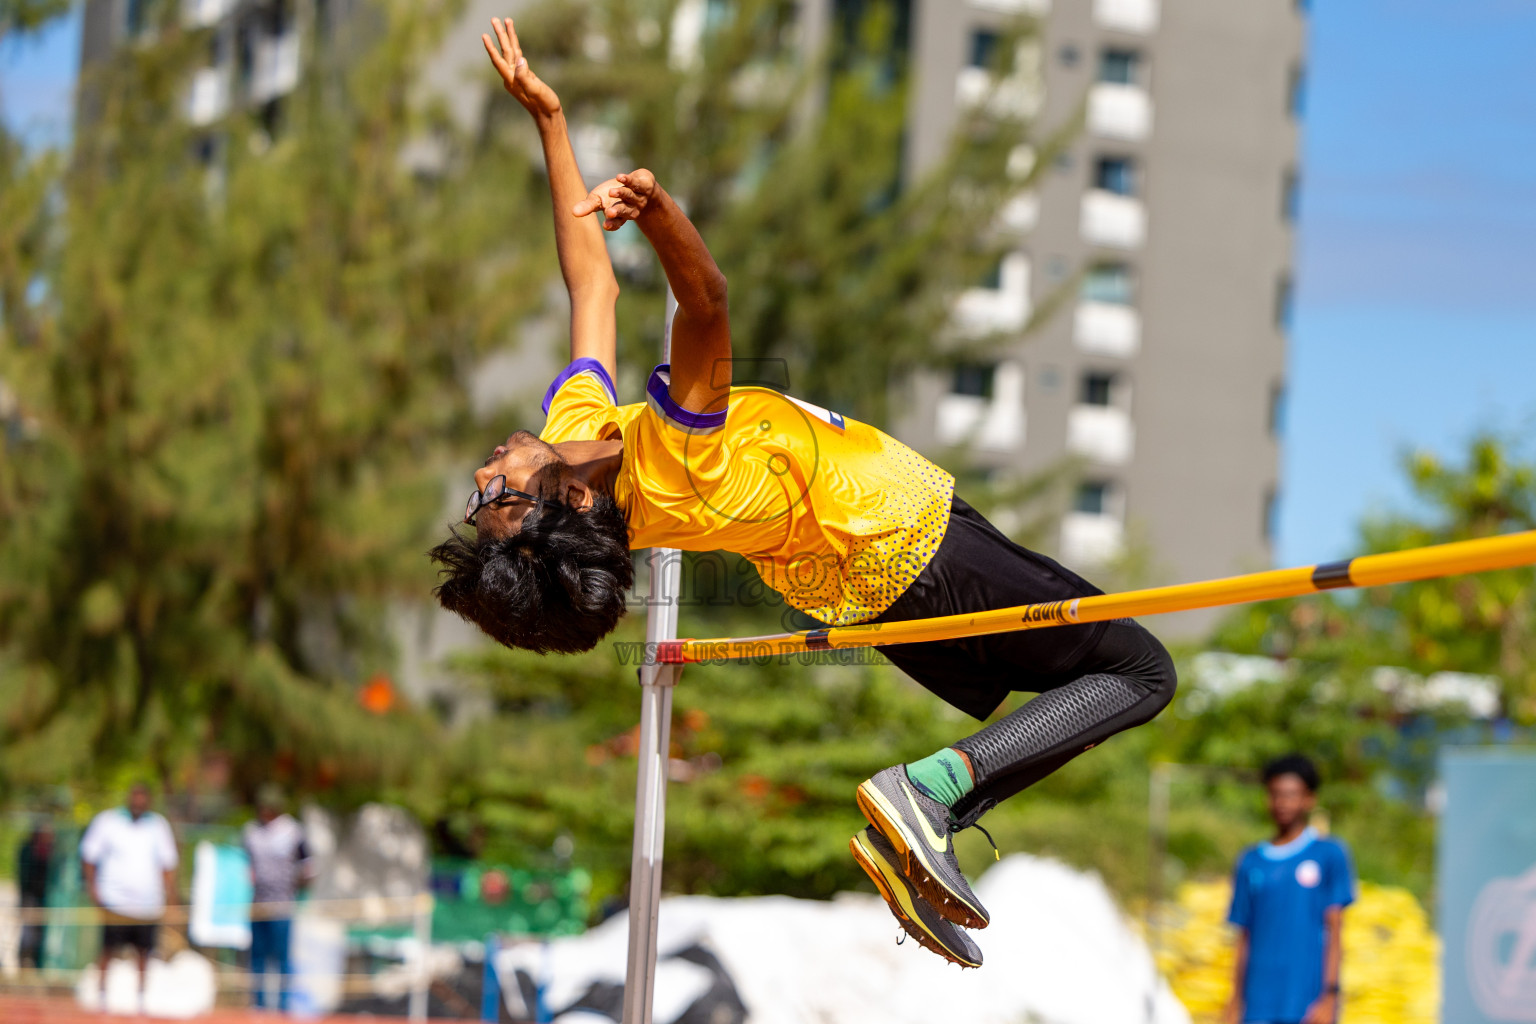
942	776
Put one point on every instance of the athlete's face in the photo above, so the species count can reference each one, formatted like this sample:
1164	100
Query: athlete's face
529	465
1290	801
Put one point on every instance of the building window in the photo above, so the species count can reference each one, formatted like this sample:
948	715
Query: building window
993	276
1092	498
1290	197
1276	409
850	18
1068	55
1296	92
983	48
133	17
1271	513
1108	282
974	379
1120	67
1098	389
1115	174
280	17
1284	299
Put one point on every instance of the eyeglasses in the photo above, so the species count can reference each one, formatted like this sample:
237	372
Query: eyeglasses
497	493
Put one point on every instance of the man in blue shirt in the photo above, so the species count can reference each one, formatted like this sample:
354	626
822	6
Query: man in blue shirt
1288	900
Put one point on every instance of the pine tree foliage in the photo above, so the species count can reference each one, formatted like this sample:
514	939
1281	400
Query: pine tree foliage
28	15
1355	692
239	354
1474	624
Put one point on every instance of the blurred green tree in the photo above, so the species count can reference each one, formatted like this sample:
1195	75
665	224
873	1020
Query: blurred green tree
238	352
28	15
765	762
843	264
1353	690
1477	624
843	272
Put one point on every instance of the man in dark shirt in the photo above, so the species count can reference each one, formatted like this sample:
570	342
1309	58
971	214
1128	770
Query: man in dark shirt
35	864
275	844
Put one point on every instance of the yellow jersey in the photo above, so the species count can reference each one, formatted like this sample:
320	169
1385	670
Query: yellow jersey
835	515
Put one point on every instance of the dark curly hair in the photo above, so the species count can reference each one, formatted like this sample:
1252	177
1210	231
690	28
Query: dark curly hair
557	585
1298	765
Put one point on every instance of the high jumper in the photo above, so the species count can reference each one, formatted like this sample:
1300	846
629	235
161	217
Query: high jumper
845	522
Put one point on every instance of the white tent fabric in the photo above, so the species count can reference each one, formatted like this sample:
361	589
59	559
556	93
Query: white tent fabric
1058	952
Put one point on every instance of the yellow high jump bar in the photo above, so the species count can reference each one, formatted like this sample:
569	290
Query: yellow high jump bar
1469	556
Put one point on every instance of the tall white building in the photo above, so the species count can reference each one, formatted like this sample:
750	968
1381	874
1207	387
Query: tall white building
1169	219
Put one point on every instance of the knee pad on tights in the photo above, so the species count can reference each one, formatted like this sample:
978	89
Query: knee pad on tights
1049	721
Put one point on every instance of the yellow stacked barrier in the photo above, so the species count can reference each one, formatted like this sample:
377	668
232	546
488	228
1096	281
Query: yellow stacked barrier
1391	957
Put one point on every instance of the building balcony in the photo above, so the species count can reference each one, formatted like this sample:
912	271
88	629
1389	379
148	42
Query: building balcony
1107	329
1091	539
1017	96
991	424
1112	220
1035	7
274	67
1021	213
208	98
1101	433
1004	308
1137	16
203	13
1117	111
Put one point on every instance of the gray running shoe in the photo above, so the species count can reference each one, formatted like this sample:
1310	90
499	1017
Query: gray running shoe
882	864
918	826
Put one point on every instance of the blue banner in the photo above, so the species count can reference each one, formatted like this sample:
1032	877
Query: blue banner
1487	882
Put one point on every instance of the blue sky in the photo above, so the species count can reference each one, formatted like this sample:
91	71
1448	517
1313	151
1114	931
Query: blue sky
1416	302
37	80
1415	317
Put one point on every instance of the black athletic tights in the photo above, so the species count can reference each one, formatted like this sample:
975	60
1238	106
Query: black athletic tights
1130	678
1093	680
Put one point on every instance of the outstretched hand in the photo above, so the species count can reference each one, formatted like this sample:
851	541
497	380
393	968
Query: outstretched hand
620	199
526	87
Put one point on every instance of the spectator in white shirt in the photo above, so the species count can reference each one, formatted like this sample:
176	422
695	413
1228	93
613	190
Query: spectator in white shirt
129	858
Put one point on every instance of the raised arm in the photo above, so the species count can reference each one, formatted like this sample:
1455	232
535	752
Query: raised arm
701	330
579	242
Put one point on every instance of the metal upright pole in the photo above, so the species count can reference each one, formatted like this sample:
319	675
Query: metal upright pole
656	682
421	981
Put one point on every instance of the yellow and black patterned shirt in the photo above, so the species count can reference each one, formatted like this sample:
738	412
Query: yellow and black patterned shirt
835	515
